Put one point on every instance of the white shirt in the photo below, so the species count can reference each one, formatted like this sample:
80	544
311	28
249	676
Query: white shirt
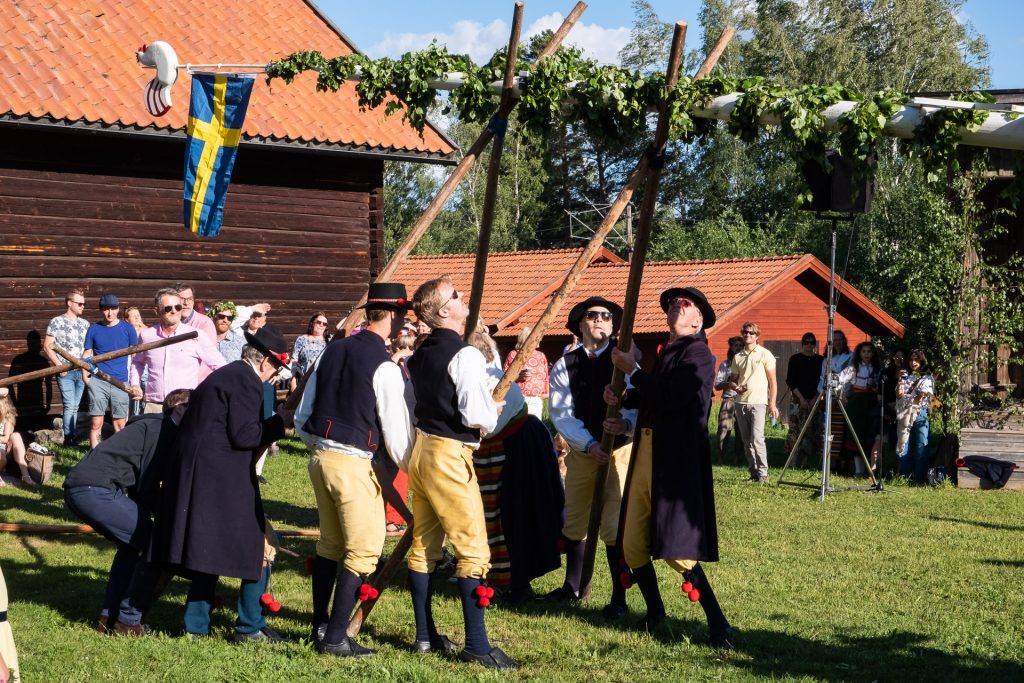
560	407
395	423
468	370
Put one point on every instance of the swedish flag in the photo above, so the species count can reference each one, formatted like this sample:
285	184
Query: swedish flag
215	118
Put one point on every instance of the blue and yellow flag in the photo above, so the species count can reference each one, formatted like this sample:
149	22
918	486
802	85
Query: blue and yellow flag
215	122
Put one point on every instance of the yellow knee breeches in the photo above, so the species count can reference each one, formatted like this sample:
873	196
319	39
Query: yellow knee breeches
446	501
580	475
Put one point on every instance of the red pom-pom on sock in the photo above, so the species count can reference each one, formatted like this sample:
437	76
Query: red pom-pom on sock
373	593
694	595
274	607
687	586
480	591
484	602
364	591
490	592
266	599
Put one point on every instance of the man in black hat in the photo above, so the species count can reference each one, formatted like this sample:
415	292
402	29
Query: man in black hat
353	403
670	502
578	412
210	519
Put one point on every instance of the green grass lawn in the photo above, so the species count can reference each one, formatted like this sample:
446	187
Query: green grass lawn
914	584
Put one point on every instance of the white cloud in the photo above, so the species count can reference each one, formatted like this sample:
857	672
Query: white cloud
480	41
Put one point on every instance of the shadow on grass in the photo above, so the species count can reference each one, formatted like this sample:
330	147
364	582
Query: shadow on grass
1004	563
984	525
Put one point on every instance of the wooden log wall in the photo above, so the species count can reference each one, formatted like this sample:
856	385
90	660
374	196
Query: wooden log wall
302	231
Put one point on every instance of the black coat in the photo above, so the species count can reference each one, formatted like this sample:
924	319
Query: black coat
674	402
210	515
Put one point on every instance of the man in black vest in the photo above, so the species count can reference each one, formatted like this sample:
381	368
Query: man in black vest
578	412
453	408
354	401
670	504
210	519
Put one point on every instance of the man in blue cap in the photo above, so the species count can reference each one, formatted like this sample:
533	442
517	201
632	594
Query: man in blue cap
106	335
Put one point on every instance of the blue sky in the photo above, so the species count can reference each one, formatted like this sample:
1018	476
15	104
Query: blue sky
390	27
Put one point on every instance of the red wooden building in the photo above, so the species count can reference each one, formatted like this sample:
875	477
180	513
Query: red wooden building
784	295
91	183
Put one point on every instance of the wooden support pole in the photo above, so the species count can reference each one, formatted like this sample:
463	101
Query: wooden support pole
443	194
497	124
28	528
636	271
82	365
57	369
590	251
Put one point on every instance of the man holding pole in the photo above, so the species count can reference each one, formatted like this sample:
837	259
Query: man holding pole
104	336
453	409
578	413
670	501
353	402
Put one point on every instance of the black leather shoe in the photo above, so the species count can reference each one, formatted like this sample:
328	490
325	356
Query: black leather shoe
346	648
438	643
649	621
724	639
264	635
495	659
316	633
561	594
613	611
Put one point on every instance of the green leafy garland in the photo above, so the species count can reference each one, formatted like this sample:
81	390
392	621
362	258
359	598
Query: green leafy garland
612	103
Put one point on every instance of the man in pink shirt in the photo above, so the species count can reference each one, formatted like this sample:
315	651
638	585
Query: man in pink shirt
171	367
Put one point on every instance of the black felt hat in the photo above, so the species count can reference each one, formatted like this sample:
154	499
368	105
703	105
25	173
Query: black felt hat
580	309
271	343
389	295
694	295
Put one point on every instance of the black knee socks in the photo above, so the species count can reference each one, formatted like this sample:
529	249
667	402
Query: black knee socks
325	575
708	601
341	610
615	568
421	589
647	580
473	615
573	564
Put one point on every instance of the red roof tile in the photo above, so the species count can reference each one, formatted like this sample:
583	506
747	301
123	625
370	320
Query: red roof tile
520	284
89	47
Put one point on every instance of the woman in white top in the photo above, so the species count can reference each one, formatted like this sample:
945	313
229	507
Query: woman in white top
913	400
841	357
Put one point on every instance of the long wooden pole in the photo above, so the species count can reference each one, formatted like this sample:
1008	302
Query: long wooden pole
57	369
498	124
468	160
91	369
636	271
596	241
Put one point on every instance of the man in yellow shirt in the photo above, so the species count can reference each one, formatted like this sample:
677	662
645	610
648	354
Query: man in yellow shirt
753	380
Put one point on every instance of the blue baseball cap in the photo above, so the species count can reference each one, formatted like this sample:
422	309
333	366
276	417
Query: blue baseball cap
109	301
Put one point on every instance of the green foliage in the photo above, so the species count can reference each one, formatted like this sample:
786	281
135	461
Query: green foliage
937	137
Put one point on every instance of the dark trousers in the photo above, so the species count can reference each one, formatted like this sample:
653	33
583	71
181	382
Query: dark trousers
118	518
200	598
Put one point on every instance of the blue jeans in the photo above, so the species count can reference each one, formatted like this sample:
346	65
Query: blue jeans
915	458
72	386
117	517
200	599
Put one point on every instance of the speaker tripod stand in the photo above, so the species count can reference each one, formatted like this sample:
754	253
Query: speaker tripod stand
829	395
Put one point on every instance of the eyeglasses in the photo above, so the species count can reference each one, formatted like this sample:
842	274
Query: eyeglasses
319	322
187	299
748	333
225	316
168	309
598	315
453	297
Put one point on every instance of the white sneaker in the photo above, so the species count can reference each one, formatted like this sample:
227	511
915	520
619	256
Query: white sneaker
38	448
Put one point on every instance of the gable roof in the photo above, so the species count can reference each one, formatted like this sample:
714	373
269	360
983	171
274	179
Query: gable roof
520	284
515	279
73	63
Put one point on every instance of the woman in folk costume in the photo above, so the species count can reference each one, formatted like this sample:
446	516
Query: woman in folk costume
669	502
517	470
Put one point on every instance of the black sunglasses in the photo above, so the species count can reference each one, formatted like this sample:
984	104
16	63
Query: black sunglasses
225	316
453	297
168	309
599	315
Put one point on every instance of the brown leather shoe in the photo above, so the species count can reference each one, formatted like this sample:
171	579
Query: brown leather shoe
103	625
133	630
